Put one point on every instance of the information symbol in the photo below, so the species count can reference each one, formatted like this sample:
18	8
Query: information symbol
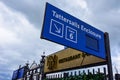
71	34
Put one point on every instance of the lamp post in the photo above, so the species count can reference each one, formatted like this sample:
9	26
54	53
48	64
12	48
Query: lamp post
26	69
42	63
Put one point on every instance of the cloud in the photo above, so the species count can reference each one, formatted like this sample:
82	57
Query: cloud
31	9
19	41
12	27
5	35
34	10
102	6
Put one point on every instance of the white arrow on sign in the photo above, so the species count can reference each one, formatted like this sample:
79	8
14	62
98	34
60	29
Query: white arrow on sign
58	30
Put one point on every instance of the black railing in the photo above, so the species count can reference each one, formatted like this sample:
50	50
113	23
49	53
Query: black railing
99	74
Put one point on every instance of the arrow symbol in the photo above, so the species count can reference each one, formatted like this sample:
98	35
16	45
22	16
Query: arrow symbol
58	30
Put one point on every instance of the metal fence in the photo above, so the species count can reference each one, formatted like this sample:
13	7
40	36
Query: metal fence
89	74
99	73
33	74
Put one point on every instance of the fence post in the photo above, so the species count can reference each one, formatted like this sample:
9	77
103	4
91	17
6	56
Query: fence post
88	71
98	70
117	76
109	62
105	78
75	73
61	75
65	75
79	72
71	74
93	71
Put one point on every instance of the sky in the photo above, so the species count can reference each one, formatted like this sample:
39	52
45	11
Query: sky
21	23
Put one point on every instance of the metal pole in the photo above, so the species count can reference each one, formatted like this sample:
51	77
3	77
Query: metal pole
42	63
109	62
26	70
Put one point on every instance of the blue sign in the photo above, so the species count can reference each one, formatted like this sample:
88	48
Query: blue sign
62	28
14	76
18	74
21	73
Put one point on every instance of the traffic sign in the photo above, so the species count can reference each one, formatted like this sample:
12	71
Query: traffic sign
63	28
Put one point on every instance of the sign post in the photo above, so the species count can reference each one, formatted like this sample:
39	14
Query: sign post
65	29
109	62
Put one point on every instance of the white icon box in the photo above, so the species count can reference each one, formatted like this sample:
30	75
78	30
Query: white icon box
71	34
56	28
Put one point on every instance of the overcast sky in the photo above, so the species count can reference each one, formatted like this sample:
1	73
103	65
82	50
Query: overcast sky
21	24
